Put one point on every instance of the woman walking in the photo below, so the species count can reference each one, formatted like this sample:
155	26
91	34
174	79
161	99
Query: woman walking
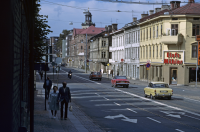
53	103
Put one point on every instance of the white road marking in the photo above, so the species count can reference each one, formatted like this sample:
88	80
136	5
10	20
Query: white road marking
83	97
153	119
176	108
105	98
169	114
110	104
97	94
179	130
192	117
117	104
122	116
192	99
110	99
131	110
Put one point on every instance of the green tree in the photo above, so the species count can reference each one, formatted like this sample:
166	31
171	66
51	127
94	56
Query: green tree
41	30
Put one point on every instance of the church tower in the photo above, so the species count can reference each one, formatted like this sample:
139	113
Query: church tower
88	20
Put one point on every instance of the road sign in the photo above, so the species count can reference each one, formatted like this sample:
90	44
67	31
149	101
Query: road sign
147	68
148	65
108	64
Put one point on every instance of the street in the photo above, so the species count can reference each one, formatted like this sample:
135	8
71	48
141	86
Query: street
126	109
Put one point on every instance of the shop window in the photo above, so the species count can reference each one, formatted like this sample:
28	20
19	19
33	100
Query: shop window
194	51
174	29
195	29
192	74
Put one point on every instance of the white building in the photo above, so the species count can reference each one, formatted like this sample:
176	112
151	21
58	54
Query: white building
131	50
117	50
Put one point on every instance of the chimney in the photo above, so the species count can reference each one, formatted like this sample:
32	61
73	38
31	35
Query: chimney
191	1
151	12
165	7
134	19
114	27
109	28
144	15
175	4
106	28
157	10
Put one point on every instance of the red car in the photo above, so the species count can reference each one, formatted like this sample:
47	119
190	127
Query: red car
120	81
95	75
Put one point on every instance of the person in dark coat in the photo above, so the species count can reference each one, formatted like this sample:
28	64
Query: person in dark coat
48	85
64	96
41	74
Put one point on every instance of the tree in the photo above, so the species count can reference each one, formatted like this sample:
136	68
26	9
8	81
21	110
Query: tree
41	30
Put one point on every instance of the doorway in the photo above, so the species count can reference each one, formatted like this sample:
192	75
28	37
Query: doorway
173	76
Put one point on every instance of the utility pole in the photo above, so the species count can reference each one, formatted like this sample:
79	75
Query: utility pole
86	55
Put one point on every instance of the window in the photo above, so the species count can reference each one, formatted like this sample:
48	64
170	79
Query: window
143	52
103	54
110	55
144	35
161	51
153	51
88	47
175	18
146	51
195	18
81	47
157	32
161	30
157	51
147	34
195	29
174	28
149	51
194	51
150	33
153	32
141	35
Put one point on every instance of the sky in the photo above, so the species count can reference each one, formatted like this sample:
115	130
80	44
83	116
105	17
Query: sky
62	12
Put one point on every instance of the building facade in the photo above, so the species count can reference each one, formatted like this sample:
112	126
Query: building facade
117	50
168	42
131	50
99	51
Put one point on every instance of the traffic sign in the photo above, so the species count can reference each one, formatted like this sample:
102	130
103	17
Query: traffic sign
148	65
108	64
147	68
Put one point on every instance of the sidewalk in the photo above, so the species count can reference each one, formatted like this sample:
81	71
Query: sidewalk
77	120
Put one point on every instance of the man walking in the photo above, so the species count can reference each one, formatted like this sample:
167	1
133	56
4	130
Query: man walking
48	85
64	96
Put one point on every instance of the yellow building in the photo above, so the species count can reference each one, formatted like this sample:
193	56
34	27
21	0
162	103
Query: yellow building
167	42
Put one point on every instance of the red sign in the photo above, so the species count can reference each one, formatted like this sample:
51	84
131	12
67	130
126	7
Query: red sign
171	58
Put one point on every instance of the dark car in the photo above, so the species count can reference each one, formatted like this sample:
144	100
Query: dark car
120	81
95	75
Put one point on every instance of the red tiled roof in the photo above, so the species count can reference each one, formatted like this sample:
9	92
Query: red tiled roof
190	8
92	30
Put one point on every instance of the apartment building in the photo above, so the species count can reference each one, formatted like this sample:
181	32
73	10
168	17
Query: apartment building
131	49
167	41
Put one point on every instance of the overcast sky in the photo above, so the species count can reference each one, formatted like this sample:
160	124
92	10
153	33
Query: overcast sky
62	12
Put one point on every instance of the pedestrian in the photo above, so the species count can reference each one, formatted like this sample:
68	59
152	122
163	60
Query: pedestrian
64	96
41	74
53	103
48	85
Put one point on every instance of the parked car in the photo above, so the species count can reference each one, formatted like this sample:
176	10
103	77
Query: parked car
95	75
158	89
120	81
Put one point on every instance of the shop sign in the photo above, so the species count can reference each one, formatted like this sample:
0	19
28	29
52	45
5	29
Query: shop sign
173	58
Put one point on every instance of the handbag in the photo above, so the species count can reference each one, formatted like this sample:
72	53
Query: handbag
70	107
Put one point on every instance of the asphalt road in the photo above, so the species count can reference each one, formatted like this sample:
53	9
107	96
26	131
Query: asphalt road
127	110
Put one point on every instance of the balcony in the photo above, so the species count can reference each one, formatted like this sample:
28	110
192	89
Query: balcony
177	40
